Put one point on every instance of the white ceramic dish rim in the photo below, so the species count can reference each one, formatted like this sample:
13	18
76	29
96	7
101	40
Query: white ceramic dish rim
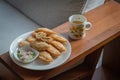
34	65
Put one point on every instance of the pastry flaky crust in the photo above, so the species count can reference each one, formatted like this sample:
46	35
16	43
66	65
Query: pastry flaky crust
48	31
30	39
58	45
23	43
40	46
45	56
43	36
47	42
53	51
59	38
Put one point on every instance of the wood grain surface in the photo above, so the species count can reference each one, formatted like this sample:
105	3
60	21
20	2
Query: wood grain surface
106	27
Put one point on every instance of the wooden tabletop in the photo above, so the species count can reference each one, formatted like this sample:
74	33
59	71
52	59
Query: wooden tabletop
106	27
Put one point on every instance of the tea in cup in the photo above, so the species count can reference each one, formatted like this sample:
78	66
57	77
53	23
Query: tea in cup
78	27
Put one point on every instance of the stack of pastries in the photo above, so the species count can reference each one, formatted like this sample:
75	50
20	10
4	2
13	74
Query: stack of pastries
47	42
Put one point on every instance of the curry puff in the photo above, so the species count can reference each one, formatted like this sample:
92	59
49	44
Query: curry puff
39	45
43	36
47	42
40	35
58	45
59	38
53	51
34	33
30	39
47	31
45	56
23	43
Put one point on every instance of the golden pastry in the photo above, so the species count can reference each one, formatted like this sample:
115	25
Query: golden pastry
58	45
45	56
53	51
30	39
23	43
47	42
40	35
39	45
43	37
34	34
59	38
48	31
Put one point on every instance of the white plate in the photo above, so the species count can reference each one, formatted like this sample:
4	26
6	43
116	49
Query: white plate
38	64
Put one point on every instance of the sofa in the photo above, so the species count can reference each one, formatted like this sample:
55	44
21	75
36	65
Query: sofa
20	16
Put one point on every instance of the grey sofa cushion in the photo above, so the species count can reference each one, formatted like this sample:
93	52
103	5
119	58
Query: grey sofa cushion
49	13
12	24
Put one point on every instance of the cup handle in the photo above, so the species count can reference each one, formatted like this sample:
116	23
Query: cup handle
88	25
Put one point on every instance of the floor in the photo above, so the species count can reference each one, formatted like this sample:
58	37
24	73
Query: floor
100	74
5	74
118	1
103	74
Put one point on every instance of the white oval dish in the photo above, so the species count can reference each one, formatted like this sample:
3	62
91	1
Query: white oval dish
38	64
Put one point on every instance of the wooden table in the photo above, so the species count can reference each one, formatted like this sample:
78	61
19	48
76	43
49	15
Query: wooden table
106	27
